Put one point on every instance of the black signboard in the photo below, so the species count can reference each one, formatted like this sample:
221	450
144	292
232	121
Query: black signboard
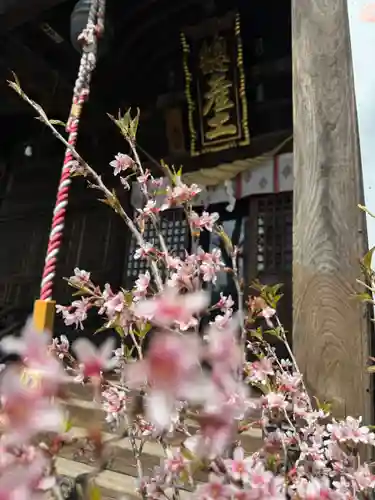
215	86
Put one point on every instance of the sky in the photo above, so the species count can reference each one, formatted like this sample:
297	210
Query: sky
362	33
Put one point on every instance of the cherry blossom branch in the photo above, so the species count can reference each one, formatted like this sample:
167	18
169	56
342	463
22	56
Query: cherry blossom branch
153	217
135	449
292	357
94	175
137	345
240	296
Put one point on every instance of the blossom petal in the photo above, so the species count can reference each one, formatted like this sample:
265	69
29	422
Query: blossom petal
197	301
11	344
84	349
159	409
107	348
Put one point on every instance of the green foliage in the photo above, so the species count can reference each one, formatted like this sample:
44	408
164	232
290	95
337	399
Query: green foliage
227	242
127	124
269	293
141	334
257	334
325	406
275	332
367	259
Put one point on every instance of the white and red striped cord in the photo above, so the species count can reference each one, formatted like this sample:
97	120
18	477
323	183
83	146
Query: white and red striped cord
89	37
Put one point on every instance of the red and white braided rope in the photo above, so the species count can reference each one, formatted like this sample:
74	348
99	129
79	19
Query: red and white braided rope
59	212
81	92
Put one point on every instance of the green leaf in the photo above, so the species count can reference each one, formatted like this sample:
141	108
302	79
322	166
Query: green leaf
58	122
227	242
187	453
79	293
364	297
68	424
119	330
106	326
179	172
325	406
258	334
275	332
134	125
144	331
367	259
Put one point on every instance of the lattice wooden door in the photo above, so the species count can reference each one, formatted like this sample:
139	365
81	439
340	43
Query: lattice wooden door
270	246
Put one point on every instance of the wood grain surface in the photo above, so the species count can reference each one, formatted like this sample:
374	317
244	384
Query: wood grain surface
331	330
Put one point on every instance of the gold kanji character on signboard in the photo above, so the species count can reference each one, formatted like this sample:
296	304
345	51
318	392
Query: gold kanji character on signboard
214	57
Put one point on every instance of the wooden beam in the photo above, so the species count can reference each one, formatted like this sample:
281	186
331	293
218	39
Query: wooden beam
18	12
330	329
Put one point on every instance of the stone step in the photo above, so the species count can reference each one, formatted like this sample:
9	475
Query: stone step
113	486
119	477
85	413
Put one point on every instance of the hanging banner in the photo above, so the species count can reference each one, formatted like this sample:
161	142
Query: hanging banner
215	86
362	34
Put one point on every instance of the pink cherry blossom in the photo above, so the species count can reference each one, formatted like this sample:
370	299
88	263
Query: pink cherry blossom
26	411
225	303
171	368
158	182
95	360
260	370
125	183
363	479
20	481
274	401
204	221
121	163
289	382
144	251
239	467
223	350
351	430
267	314
216	431
75	314
81	278
265	485
215	489
186	277
114	305
150	208
180	194
114	404
33	348
141	285
174	464
60	346
32	345
223	321
170	307
144	177
313	489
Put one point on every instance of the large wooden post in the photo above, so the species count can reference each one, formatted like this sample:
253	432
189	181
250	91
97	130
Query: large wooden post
330	328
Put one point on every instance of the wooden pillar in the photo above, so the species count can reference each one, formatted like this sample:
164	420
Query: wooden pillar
330	328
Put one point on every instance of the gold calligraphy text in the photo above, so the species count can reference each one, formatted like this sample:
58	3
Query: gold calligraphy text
214	63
